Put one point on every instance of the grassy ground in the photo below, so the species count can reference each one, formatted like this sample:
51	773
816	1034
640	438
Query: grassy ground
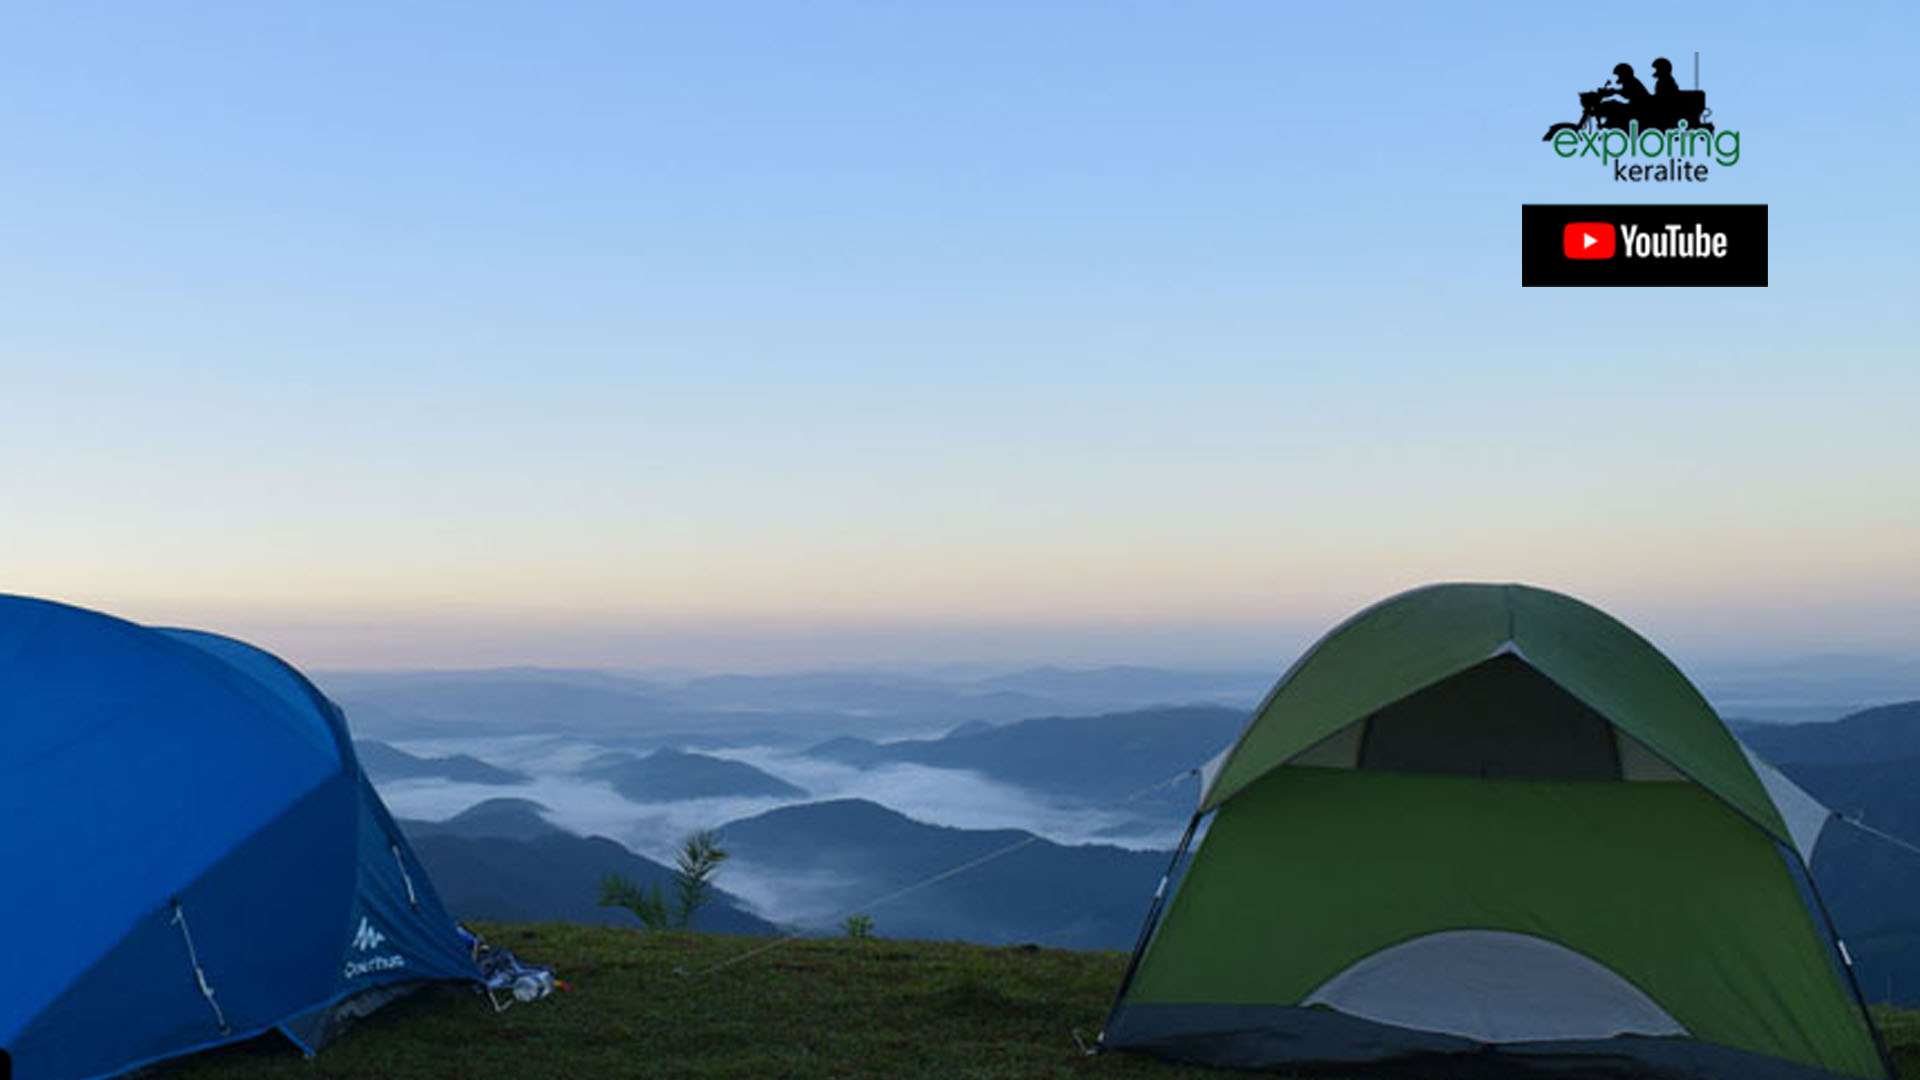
1901	1029
830	1008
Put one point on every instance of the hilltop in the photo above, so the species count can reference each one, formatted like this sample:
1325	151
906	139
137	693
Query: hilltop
384	762
808	1008
668	774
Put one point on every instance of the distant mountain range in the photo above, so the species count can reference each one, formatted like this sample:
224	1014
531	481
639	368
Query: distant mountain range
502	861
855	852
1086	758
643	712
384	762
1134	686
773	710
1806	689
667	775
1878	734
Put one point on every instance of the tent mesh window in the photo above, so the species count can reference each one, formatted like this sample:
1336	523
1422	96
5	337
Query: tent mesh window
1499	720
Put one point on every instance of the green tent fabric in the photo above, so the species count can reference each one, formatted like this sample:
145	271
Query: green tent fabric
1491	824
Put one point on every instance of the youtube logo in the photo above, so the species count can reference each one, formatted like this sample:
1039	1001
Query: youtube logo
1588	240
1664	245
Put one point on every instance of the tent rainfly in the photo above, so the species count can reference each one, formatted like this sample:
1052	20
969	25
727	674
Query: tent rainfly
1488	828
193	855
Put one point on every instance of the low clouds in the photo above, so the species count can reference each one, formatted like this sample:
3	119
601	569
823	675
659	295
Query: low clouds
654	829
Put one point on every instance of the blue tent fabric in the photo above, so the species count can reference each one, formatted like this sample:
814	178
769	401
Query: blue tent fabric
206	859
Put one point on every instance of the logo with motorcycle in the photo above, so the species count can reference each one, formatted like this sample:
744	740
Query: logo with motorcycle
1662	135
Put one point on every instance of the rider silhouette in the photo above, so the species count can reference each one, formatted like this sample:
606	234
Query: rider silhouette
1622	106
1632	89
1663	85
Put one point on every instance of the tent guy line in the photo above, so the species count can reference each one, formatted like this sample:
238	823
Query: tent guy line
1877	834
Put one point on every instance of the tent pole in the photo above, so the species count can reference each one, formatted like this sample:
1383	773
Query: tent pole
1846	962
1153	916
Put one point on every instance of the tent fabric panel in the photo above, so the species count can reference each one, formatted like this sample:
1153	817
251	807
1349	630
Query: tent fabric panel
273	675
1312	1041
396	898
1493	986
1616	671
395	935
399	902
178	762
1311	870
258	922
146	1005
1373	659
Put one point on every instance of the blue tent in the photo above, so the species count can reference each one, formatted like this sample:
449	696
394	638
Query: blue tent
192	854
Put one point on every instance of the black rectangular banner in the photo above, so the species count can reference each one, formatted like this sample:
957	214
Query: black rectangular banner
1697	244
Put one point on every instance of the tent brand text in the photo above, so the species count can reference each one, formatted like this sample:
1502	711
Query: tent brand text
357	968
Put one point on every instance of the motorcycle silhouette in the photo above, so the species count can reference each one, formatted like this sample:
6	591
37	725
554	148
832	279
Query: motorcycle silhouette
1659	111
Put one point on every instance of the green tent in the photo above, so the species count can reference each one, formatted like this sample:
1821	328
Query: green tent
1488	827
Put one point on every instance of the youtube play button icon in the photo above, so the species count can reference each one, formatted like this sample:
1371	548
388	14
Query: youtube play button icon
1588	240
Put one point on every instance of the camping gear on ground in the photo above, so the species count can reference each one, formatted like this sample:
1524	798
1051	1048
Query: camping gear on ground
1488	827
193	854
505	978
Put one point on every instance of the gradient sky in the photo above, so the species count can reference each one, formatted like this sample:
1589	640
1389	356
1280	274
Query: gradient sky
760	335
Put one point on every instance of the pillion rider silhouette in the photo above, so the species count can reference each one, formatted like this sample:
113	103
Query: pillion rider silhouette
1664	87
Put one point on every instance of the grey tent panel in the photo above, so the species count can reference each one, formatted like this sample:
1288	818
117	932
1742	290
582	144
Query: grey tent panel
1641	764
1805	816
1340	750
1493	986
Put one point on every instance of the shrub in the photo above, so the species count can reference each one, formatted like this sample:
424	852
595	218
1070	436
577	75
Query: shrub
699	859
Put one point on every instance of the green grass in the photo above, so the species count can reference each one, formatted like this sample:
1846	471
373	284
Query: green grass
812	1008
1901	1029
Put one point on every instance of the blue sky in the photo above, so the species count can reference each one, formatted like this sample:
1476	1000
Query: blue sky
787	334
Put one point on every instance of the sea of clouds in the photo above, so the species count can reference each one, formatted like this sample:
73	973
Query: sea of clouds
950	797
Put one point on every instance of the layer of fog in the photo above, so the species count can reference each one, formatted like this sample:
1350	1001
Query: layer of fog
813	900
949	797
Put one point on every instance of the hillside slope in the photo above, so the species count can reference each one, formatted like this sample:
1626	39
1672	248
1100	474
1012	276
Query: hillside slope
502	860
1025	889
806	1009
1878	734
